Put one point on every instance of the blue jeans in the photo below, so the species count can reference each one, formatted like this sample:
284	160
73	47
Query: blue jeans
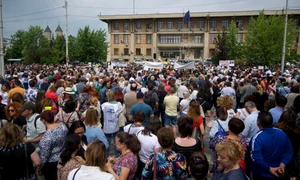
109	138
170	120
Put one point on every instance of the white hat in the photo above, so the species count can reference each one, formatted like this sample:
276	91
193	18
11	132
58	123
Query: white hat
68	90
131	79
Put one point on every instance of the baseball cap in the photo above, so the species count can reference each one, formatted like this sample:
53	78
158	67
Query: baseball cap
27	106
139	95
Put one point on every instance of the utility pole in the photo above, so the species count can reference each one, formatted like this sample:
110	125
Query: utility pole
284	37
1	42
67	34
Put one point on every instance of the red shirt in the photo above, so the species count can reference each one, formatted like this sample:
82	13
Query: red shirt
52	95
198	122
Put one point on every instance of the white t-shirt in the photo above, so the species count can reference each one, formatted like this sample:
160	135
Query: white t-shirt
148	144
185	105
243	113
89	173
131	129
4	96
214	128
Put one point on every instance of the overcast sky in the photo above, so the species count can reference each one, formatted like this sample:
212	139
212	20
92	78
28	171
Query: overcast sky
20	14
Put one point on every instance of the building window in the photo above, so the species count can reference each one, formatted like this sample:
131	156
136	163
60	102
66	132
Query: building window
179	25
160	25
191	24
197	53
149	25
138	51
116	39
239	24
170	39
116	51
148	52
170	25
126	51
126	26
138	25
213	38
201	24
116	26
239	38
197	39
225	24
125	39
148	38
297	23
213	24
138	39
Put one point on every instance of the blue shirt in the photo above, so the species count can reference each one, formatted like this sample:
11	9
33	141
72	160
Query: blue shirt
145	108
269	147
283	91
93	133
251	127
276	113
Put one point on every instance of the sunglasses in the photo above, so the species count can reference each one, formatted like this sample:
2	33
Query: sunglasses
11	110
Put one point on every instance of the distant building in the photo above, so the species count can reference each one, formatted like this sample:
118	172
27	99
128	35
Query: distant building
166	36
49	35
58	31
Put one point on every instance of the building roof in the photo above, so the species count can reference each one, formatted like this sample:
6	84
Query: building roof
58	29
106	18
47	29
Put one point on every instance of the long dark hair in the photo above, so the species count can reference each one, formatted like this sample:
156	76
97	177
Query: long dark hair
71	145
152	126
131	141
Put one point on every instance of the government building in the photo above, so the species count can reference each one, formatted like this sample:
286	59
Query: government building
167	36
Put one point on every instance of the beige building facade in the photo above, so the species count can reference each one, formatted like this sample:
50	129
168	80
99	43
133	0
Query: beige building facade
167	36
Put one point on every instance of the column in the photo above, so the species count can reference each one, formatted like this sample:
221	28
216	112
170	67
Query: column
206	45
131	49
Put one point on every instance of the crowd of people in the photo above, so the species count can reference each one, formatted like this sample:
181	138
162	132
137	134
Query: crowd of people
91	122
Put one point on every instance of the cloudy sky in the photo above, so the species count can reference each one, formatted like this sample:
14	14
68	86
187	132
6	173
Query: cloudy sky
20	14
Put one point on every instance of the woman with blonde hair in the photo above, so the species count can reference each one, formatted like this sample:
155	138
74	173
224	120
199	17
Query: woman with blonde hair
111	111
194	112
227	103
94	167
184	104
229	154
15	155
93	131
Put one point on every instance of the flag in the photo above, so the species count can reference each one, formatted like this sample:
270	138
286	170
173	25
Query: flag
186	17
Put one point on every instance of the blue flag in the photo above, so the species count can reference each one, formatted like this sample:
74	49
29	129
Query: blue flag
187	16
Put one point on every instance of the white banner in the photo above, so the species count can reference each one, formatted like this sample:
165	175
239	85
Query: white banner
226	63
190	65
154	65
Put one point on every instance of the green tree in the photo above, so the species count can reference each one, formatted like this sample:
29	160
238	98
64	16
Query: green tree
232	45
265	38
36	47
221	51
15	50
89	45
59	50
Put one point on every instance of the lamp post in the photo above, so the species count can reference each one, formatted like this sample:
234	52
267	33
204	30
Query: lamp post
284	37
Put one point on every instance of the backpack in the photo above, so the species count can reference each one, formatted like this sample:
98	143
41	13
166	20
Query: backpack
148	99
221	131
35	120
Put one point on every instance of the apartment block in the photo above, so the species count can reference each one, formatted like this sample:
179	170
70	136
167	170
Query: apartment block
167	36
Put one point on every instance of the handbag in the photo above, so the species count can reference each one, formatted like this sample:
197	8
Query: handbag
122	118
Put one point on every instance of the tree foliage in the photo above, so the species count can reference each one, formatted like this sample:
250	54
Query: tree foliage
15	50
89	45
34	47
232	45
221	51
265	39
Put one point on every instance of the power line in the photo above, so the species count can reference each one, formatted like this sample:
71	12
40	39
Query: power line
169	7
32	19
33	13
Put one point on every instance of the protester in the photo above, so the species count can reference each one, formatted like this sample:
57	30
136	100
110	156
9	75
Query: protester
68	160
67	115
184	103
171	101
276	112
176	168
229	154
78	128
221	124
94	167
129	146
51	144
15	155
198	166
137	126
141	106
